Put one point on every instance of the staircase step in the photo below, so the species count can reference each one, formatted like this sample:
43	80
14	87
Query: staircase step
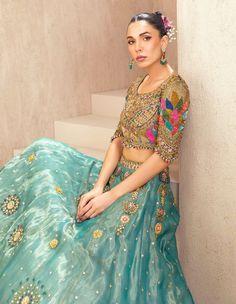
99	154
108	103
92	131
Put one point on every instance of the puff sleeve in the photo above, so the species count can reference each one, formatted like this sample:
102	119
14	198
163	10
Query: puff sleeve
173	111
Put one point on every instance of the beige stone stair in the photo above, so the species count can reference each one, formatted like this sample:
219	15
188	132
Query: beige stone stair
92	131
108	103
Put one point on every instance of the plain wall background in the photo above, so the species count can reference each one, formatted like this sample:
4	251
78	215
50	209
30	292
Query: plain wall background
207	233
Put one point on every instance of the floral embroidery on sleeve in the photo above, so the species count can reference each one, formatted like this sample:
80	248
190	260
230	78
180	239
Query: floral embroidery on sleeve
174	105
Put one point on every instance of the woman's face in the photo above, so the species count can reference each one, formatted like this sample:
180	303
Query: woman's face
144	40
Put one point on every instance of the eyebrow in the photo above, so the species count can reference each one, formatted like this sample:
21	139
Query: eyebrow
139	34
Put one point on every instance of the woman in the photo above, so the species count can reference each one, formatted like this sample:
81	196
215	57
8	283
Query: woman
75	229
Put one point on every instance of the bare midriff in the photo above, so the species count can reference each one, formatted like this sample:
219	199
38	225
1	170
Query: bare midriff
134	154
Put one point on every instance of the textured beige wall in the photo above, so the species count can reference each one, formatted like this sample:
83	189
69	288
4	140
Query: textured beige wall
53	55
206	52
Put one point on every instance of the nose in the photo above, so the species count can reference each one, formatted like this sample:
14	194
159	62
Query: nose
138	46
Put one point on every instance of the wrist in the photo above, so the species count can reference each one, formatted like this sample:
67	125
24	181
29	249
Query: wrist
115	195
98	186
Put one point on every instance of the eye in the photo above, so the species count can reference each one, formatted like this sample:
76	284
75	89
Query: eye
145	38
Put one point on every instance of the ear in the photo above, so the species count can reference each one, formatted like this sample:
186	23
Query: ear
164	41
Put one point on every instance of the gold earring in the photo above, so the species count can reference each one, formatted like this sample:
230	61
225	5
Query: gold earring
163	59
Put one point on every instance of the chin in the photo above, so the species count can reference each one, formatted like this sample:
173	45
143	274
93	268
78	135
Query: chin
143	65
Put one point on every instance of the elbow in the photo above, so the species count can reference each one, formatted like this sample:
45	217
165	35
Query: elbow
118	143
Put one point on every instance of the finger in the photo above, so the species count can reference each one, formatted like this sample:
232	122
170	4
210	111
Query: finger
85	209
79	209
81	206
87	214
83	202
93	214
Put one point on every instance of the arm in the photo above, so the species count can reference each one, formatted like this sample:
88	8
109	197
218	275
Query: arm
112	157
110	162
148	169
171	121
113	153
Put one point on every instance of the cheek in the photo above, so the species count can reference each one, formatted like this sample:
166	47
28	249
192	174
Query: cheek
154	51
131	49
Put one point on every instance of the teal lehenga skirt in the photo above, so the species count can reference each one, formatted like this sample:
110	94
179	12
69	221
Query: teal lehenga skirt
125	255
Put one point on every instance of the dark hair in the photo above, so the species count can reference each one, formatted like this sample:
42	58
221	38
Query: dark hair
154	19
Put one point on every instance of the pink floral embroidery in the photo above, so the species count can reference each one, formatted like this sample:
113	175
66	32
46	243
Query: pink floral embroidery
150	135
161	121
163	104
175	129
174	117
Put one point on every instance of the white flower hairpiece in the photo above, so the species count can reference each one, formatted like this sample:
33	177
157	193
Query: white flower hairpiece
170	29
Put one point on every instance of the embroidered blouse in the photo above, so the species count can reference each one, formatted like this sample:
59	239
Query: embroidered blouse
155	120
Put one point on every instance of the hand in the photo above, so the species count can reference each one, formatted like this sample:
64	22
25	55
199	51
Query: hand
86	197
96	206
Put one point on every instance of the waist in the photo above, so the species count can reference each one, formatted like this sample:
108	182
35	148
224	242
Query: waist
164	175
128	163
136	154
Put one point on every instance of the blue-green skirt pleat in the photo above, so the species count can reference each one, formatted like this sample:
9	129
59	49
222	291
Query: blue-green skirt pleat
127	254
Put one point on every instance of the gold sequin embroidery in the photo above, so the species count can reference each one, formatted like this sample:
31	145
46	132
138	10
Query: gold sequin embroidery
31	157
164	176
126	174
53	243
111	179
163	191
58	190
158	228
124	219
10	204
16	236
155	120
160	213
97	233
106	188
29	292
130	207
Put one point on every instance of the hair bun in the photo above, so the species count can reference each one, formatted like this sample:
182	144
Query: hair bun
158	13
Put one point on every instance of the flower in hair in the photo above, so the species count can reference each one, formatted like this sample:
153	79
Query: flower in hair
167	22
170	29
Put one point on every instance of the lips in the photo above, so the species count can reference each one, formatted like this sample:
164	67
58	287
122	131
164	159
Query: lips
140	58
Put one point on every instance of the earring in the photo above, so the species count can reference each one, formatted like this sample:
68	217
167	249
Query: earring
131	64
163	59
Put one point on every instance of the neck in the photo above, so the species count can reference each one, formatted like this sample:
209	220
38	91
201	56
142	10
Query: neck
157	71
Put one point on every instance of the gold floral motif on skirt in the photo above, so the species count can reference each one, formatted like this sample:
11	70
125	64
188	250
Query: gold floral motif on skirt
160	212
97	233
31	157
16	236
29	292
10	204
